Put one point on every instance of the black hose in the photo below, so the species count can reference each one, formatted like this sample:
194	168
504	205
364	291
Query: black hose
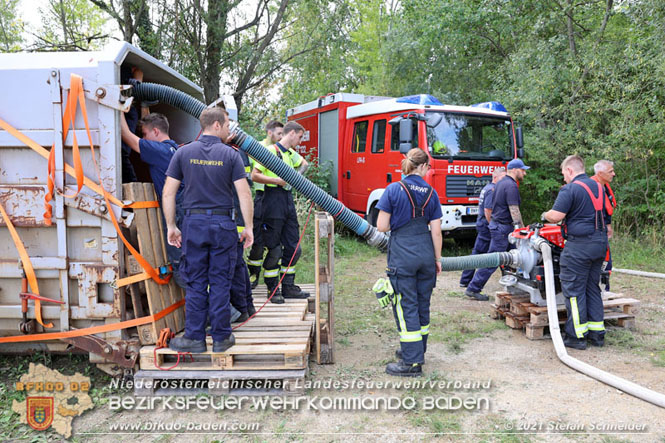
491	260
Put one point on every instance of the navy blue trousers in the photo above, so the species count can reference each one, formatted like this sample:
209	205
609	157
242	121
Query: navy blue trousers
481	246
241	287
209	254
498	243
580	265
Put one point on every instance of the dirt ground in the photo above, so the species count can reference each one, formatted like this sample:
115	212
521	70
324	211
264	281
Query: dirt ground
532	395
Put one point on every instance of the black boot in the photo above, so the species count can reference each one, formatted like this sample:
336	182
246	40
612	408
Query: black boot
244	316
401	369
251	310
272	283
574	342
290	289
221	346
184	344
398	354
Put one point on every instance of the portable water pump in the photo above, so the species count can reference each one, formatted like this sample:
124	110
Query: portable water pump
528	276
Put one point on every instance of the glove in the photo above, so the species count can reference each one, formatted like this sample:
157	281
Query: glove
384	292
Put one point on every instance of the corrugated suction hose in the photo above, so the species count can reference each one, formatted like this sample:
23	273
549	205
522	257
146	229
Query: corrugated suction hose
244	141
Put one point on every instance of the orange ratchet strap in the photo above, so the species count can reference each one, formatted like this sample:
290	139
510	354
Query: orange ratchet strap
76	92
95	329
27	266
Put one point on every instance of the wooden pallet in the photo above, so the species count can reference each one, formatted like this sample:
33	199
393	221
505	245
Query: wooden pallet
280	382
277	338
148	235
520	313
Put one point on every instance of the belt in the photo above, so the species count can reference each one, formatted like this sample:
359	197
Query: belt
209	211
585	237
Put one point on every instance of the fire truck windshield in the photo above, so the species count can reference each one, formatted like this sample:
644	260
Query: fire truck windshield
465	136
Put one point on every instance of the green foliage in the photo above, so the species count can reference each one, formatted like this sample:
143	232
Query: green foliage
71	25
11	27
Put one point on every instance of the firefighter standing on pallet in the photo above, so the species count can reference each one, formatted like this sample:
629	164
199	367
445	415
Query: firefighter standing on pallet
280	220
411	210
275	130
210	170
581	205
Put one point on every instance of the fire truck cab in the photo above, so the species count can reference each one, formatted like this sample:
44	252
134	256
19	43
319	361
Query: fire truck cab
364	139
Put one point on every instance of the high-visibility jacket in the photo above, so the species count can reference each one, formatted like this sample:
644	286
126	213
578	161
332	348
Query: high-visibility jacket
288	156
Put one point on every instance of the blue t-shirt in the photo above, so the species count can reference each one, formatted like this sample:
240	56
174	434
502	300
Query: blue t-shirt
208	167
395	201
485	200
574	201
158	155
506	193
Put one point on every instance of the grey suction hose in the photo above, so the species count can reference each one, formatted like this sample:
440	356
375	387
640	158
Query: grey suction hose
194	107
624	385
491	260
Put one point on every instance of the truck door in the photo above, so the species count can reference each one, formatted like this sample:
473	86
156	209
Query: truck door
354	173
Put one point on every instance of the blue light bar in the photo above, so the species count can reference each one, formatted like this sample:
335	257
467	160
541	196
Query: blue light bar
420	99
492	106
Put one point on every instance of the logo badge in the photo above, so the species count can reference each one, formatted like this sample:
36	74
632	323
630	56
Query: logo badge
40	412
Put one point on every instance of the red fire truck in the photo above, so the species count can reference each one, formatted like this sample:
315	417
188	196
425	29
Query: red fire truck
364	138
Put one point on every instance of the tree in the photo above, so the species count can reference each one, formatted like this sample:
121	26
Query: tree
11	27
70	25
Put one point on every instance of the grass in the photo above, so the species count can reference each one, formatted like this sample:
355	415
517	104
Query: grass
643	254
456	329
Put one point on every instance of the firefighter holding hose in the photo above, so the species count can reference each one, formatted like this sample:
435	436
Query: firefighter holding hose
411	210
581	206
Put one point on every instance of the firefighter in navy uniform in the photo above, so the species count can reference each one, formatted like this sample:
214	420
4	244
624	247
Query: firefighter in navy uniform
483	237
274	132
411	210
581	206
280	220
210	171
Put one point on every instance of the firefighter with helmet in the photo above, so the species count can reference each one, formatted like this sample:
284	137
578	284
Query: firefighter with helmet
581	206
411	210
280	220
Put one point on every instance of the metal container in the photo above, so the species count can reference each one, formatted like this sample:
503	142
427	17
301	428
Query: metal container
79	257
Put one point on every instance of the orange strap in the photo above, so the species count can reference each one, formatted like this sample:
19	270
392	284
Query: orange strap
77	85
95	329
27	266
71	171
132	279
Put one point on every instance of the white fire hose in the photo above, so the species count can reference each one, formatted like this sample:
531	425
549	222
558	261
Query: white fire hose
629	387
639	273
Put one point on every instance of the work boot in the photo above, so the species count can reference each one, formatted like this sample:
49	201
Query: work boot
235	314
244	316
272	283
184	344
254	273
597	341
463	285
476	295
398	354
574	342
251	310
221	346
290	289
401	369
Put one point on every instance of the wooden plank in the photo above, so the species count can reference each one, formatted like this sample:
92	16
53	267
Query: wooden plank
158	255
317	287
330	323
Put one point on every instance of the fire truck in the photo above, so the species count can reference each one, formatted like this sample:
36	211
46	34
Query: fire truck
364	139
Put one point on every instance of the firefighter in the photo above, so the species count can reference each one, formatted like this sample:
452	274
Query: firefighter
411	210
274	131
483	238
280	220
210	170
241	287
505	217
156	150
604	173
581	206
